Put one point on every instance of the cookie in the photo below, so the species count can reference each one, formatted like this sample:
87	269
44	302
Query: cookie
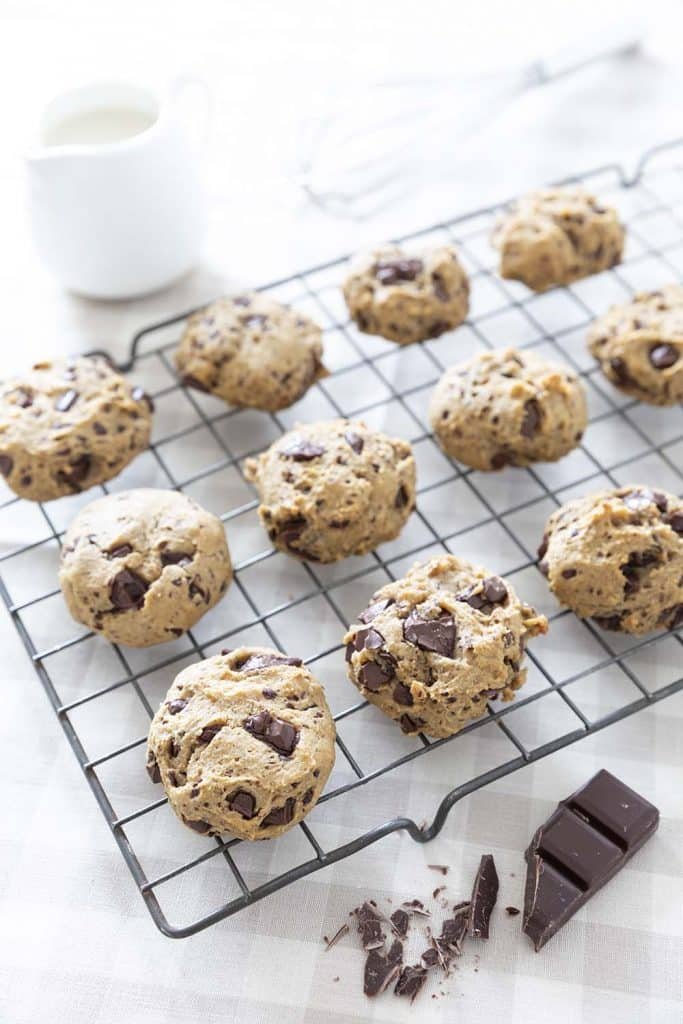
430	649
243	743
508	408
333	489
557	236
639	346
141	567
67	425
407	297
617	557
251	351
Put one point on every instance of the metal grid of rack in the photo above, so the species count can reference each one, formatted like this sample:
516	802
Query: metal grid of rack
581	679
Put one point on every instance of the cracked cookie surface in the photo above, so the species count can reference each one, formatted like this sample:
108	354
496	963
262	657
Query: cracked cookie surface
67	425
243	743
251	351
508	408
617	557
556	236
407	296
141	567
639	345
333	489
431	648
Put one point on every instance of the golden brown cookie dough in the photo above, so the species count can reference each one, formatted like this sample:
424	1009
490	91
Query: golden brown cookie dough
251	351
639	345
141	567
407	296
557	236
433	647
333	489
617	556
508	408
67	425
243	743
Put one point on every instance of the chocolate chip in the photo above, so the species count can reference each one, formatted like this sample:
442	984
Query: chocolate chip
675	521
400	921
611	622
437	635
440	289
500	460
241	300
153	770
140	395
290	530
280	815
307	797
23	398
373	610
639	500
368	639
531	419
174	706
492	591
374	674
512	911
99	428
402	695
354	440
119	552
191	381
430	957
208	733
6	464
279	735
402	497
127	590
620	371
194	590
77	472
175	558
301	450
568	574
198	826
409	724
410	982
66	400
256	320
254	662
543	546
392	271
242	803
395	954
663	356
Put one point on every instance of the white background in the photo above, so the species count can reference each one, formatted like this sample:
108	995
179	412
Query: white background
78	944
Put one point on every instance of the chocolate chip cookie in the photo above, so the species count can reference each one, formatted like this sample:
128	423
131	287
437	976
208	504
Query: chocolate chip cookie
141	567
333	489
243	743
407	297
433	647
67	425
617	557
251	351
557	236
639	345
508	408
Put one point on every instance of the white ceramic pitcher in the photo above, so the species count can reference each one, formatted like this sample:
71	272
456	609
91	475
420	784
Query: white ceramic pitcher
116	197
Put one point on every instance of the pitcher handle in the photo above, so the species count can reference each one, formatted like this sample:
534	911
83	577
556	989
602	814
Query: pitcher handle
186	105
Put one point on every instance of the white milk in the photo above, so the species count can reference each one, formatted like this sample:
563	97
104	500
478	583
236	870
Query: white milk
97	126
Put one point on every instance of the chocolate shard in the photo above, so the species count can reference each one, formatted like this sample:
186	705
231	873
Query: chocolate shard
484	896
454	929
399	923
590	837
369	927
410	981
254	662
379	973
437	635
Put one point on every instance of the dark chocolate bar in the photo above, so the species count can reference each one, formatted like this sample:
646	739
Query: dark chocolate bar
590	837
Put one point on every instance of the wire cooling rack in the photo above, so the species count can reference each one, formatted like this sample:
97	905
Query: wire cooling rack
580	678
